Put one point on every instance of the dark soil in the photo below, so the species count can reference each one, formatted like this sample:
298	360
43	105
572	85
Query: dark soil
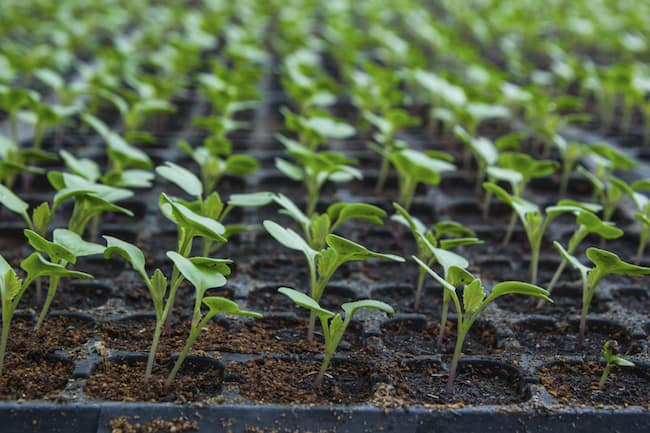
70	295
123	380
423	383
633	298
286	381
417	336
32	376
577	384
57	332
402	299
560	337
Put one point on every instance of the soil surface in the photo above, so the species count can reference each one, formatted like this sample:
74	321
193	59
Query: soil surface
32	376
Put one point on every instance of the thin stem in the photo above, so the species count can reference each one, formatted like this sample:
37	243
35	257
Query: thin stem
511	228
418	289
383	174
603	378
460	339
6	323
318	382
51	291
443	321
643	241
583	320
152	350
534	263
486	204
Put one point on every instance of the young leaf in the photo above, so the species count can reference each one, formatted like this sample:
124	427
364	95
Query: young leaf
73	242
11	201
351	308
201	276
54	250
128	252
36	266
305	301
218	305
182	177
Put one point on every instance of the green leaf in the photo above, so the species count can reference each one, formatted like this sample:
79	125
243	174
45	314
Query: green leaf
128	252
348	250
609	263
351	308
473	296
158	288
575	263
182	177
81	166
420	167
198	225
289	239
241	165
528	166
328	127
74	243
218	265
290	208
201	276
617	159
218	305
10	285
36	266
405	218
11	201
594	225
519	288
41	217
290	170
341	212
305	301
54	250
254	199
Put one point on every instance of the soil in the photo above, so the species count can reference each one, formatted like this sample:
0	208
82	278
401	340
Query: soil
633	298
577	384
70	295
31	376
417	336
423	382
402	299
271	380
57	332
157	425
123	380
567	300
560	337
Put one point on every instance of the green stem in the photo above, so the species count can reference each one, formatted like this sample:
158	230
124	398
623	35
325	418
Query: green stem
603	378
534	263
152	350
643	241
418	289
383	174
511	228
51	291
407	191
6	324
318	382
443	320
460	339
586	300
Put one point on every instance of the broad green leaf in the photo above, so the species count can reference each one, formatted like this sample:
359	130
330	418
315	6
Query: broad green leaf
10	286
617	159
11	201
197	224
448	244
41	217
4	265
305	301
519	288
447	259
290	170
528	166
158	288
348	250
336	330
405	218
218	305
74	243
54	250
609	263
328	127
452	228
420	167
473	295
241	165
290	208
36	266
218	265
340	212
202	277
289	239
594	224
128	252
182	177
133	178
575	263
81	166
254	199
351	308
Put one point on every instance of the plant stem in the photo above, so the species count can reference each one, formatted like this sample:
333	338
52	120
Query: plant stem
443	321
603	378
318	382
511	228
51	291
583	324
454	361
194	333
152	351
383	174
534	262
418	288
643	241
6	323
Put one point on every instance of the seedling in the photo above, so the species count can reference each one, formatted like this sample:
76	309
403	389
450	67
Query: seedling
315	168
317	226
212	206
415	167
474	302
90	199
317	128
605	263
535	224
65	247
642	215
204	274
612	358
40	217
588	223
334	326
323	263
12	100
12	288
429	240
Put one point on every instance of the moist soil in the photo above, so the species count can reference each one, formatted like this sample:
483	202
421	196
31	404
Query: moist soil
418	336
291	381
560	337
56	332
577	384
423	382
123	380
31	376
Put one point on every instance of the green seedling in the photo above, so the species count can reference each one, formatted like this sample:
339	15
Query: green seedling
39	220
571	154
384	141
323	263
608	191
215	159
535	224
333	325
588	223
475	301
444	235
315	168
129	166
12	288
12	100
605	263
317	226
612	358
204	274
90	200
163	289
317	128
636	192
44	116
212	206
15	161
516	169
66	246
484	151
415	167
